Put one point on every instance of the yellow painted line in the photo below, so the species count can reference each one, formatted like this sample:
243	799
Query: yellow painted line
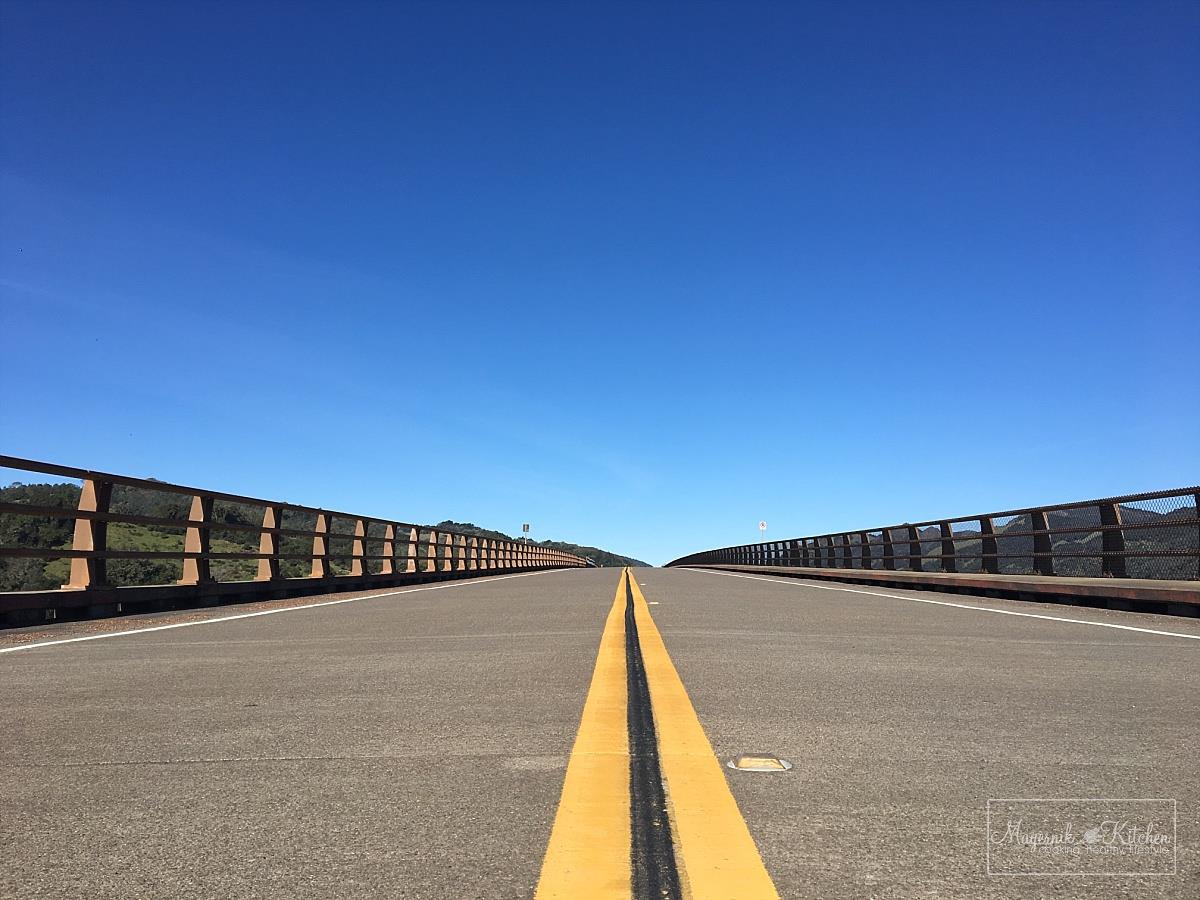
759	762
588	857
714	851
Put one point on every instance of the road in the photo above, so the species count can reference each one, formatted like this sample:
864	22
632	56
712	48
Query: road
414	744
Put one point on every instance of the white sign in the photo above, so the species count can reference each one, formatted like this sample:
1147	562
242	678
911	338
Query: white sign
762	526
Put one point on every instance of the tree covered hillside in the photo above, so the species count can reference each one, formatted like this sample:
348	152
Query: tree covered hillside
599	557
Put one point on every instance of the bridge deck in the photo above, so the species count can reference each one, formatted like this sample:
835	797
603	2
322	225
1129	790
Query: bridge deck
414	745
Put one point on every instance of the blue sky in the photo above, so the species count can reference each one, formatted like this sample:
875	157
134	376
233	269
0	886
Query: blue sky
640	274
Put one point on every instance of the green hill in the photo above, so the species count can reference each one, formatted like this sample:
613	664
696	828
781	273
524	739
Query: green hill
600	557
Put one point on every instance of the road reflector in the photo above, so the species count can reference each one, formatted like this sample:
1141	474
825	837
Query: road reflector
758	762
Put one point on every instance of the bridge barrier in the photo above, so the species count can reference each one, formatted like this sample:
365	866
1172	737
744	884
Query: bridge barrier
1143	548
300	549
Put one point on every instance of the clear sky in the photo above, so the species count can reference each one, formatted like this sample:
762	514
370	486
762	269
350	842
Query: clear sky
639	274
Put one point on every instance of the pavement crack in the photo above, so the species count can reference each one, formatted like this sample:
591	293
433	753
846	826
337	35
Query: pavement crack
217	760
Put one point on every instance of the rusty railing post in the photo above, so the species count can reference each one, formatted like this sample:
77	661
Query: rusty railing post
990	561
1112	541
358	548
889	552
320	547
460	553
268	544
847	552
91	535
947	546
1043	551
447	557
198	539
915	562
473	554
388	550
865	559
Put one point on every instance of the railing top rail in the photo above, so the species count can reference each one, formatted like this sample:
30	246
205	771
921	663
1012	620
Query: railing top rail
1011	513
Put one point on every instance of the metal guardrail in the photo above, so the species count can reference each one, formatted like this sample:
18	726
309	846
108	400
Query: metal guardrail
1153	535
376	550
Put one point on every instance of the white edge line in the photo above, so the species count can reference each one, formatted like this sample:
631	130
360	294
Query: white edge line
986	609
269	612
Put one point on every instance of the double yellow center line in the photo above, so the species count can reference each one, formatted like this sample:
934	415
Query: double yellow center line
590	854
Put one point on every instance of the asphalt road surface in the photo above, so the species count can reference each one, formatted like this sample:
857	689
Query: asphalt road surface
415	744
